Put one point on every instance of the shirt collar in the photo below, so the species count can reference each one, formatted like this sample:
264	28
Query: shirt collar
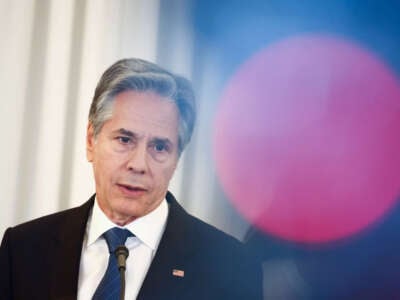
148	229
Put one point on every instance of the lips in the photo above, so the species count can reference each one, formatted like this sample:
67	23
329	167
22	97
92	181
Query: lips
132	190
132	187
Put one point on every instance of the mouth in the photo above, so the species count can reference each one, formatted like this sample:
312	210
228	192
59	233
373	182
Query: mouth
131	188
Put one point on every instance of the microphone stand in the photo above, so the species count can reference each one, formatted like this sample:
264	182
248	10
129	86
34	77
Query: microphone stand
122	253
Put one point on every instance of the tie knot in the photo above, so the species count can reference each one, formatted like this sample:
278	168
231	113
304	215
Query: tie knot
116	237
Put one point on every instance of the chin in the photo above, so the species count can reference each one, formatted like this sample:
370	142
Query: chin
131	208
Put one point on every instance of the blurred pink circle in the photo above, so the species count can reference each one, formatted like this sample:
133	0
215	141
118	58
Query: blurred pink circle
306	140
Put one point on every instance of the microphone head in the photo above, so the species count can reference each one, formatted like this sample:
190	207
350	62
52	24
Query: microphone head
121	252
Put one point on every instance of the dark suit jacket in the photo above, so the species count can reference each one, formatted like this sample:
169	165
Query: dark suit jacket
40	260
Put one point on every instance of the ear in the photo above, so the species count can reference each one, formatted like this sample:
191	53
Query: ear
89	142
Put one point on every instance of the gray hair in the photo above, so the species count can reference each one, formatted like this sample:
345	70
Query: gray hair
140	75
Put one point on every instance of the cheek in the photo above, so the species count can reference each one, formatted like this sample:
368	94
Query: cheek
161	173
106	165
168	172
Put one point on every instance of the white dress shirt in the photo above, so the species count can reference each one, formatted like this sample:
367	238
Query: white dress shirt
148	231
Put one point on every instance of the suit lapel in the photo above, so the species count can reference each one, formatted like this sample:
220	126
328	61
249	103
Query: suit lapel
67	246
160	283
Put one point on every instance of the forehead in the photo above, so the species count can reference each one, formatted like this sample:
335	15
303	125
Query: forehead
145	113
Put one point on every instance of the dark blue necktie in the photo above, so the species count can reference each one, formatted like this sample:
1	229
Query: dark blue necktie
110	285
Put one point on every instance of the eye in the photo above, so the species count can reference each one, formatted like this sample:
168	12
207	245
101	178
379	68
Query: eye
160	147
124	139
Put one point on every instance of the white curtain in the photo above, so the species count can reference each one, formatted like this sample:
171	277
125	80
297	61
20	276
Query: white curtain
52	54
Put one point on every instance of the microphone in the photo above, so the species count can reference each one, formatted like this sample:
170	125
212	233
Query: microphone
122	253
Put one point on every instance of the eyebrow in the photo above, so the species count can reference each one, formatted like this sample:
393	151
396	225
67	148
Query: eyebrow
125	132
162	140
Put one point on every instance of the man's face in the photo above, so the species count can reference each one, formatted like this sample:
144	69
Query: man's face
134	155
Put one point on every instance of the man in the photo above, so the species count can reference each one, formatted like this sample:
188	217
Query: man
140	120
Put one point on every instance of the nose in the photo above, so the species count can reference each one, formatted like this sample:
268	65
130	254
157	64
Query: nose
137	160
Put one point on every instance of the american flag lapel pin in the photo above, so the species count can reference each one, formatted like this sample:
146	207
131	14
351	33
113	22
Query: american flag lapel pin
178	273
